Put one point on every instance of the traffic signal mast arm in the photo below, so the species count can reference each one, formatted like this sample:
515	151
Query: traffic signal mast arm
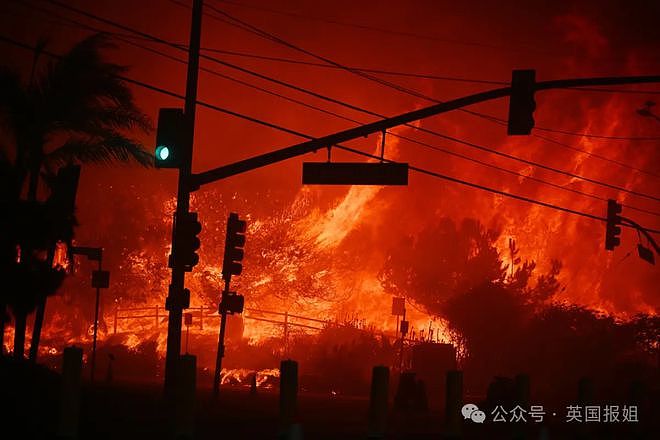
196	180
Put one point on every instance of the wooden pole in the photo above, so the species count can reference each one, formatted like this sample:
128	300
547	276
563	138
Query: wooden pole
453	403
288	396
378	404
70	393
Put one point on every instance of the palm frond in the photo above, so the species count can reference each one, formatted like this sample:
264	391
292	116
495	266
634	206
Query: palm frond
81	83
91	119
100	150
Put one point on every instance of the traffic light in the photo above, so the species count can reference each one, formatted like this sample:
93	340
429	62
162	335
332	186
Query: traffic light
234	243
186	242
522	103
612	230
171	139
232	303
177	300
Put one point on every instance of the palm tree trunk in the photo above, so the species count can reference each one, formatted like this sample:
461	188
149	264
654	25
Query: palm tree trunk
20	320
36	330
39	317
41	306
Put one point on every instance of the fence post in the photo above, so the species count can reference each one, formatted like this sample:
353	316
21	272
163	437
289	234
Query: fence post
288	399
116	313
201	317
380	377
70	393
453	403
157	323
184	411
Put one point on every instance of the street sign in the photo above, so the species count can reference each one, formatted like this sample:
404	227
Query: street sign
101	279
187	318
646	254
404	327
398	306
355	173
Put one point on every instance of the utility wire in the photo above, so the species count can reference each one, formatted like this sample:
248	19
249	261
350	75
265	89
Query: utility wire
608	90
597	136
271	37
303	135
492	118
247	71
596	155
353	107
424	37
304	104
336	101
388	84
301	103
253	29
381	30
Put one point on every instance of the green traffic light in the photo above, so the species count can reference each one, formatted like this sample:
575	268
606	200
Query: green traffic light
162	152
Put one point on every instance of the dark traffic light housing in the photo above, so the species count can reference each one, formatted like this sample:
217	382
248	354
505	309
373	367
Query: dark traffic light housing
522	103
187	243
232	303
234	243
170	138
177	300
612	228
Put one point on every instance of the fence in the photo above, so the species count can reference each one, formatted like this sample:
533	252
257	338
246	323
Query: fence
205	313
286	320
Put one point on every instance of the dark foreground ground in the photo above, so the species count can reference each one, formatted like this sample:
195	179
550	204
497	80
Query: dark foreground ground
136	411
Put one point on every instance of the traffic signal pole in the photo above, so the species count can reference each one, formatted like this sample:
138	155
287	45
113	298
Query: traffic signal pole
96	320
221	343
175	303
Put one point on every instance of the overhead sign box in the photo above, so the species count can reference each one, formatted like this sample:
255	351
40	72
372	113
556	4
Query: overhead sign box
355	173
398	306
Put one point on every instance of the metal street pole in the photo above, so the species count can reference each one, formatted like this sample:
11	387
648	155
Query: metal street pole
221	343
175	302
96	325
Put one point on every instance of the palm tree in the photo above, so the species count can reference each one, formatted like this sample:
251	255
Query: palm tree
76	110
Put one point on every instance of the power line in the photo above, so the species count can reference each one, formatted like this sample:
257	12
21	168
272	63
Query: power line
303	135
598	136
163	91
502	122
598	156
608	90
253	29
361	69
381	30
492	118
351	106
405	138
126	39
515	173
266	35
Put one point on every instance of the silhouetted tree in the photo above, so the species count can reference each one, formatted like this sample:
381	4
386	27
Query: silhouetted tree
509	321
445	259
76	110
